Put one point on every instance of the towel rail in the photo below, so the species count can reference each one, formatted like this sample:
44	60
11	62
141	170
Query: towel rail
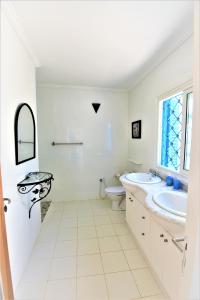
66	143
24	142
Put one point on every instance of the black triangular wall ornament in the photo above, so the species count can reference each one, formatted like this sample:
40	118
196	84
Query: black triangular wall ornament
96	106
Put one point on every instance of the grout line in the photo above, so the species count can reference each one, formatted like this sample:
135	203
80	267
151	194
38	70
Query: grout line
76	261
136	283
53	255
104	276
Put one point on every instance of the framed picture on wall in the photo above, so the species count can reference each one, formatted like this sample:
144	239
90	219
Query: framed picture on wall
136	129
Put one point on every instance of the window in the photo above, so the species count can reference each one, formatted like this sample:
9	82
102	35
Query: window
188	131
176	131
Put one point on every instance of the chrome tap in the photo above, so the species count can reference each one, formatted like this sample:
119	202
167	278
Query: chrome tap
154	173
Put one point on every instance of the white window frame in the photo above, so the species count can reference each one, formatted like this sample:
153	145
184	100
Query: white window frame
184	89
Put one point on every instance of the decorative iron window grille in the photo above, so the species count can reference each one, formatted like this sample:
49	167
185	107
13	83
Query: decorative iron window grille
176	131
188	131
171	132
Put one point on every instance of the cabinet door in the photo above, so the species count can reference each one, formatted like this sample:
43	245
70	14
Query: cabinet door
166	259
138	219
130	210
172	271
143	229
156	244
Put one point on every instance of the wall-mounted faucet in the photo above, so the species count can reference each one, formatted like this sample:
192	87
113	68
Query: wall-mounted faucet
154	172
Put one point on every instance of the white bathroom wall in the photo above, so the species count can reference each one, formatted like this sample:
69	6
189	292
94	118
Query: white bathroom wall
66	114
17	86
175	70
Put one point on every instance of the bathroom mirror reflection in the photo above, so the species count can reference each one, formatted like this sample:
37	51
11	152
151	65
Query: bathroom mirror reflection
24	134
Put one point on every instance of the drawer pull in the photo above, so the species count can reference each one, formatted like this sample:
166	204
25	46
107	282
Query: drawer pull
131	199
143	217
166	240
143	233
162	235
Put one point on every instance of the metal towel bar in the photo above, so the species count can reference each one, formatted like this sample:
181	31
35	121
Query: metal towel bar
24	142
73	143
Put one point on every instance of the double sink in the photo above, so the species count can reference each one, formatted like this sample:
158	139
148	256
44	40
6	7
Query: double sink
174	202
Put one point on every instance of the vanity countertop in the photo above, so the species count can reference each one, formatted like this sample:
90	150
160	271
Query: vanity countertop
150	190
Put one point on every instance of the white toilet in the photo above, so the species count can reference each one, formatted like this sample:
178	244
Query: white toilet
117	195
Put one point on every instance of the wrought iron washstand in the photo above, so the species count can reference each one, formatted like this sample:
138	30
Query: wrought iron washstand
38	183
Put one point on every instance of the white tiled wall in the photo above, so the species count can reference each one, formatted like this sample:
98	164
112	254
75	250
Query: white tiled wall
66	114
175	70
17	86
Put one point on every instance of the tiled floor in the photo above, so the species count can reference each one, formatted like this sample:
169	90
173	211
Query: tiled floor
86	252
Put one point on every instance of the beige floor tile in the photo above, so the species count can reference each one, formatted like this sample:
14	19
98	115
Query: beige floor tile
85	212
68	222
62	268
89	265
145	282
106	203
70	212
61	290
70	204
86	232
57	205
117	219
51	224
114	262
127	242
156	297
67	234
102	220
121	286
30	290
47	235
85	221
88	246
38	269
116	213
105	230
121	229
100	211
135	259
84	203
109	244
43	250
65	248
91	288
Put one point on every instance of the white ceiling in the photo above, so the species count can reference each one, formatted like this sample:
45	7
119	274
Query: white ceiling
102	43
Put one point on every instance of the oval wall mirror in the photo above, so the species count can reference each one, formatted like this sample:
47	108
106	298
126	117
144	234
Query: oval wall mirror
24	134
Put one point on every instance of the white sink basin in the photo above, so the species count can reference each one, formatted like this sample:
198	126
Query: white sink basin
173	202
143	178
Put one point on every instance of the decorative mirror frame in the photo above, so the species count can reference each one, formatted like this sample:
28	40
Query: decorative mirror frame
16	133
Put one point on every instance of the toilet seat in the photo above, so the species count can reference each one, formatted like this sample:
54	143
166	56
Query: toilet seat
115	190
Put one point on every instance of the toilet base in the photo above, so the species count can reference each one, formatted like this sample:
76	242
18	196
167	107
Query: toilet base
119	204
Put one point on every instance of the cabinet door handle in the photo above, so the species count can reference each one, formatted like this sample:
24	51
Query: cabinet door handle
143	217
142	233
166	240
162	235
131	199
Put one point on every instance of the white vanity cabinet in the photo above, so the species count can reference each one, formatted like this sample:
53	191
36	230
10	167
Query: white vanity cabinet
138	219
157	245
166	259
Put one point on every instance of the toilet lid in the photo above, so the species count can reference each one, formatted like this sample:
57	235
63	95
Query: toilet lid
117	190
